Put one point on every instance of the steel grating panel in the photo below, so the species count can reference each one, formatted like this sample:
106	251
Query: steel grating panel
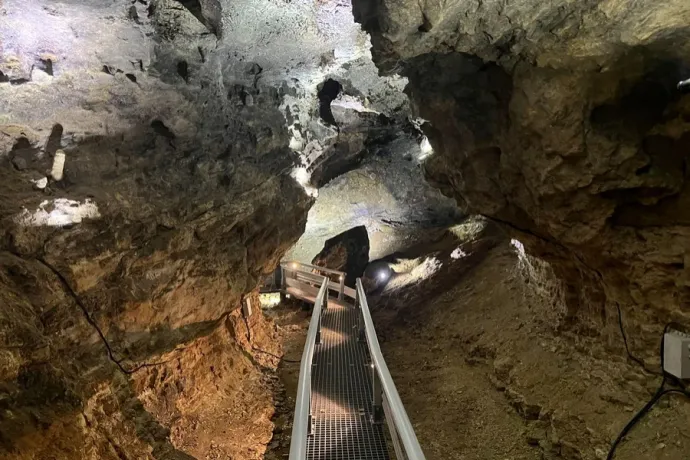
341	393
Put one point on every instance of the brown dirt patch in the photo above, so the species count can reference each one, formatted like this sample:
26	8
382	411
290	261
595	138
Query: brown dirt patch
485	374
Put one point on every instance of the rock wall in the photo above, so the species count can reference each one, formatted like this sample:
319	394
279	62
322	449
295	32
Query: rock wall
121	273
565	122
347	252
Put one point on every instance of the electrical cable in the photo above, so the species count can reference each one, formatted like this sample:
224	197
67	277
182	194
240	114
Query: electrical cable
660	392
259	350
275	356
627	348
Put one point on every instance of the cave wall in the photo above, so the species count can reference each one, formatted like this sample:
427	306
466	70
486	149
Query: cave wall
564	122
120	282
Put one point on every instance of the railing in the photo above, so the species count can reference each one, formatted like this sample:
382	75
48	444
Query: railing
297	270
386	399
302	426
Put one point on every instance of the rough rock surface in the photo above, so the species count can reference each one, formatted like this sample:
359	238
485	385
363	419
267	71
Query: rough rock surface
347	252
564	121
388	195
154	159
139	252
502	382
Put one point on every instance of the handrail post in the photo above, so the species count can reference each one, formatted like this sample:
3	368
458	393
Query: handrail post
377	396
283	284
342	287
318	331
360	320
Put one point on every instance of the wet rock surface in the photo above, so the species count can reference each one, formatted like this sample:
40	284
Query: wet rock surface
565	123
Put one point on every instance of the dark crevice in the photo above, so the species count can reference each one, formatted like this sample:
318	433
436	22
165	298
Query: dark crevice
183	70
133	14
643	170
22	154
111	70
162	130
47	66
209	17
4	78
21	144
642	104
426	24
131	77
329	91
54	140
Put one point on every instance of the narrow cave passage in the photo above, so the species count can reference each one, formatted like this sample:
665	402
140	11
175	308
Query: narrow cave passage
344	229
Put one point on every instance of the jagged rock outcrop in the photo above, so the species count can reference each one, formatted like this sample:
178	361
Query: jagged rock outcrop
563	121
121	271
347	252
387	194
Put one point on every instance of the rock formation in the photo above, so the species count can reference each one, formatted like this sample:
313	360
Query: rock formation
347	252
157	159
565	122
137	184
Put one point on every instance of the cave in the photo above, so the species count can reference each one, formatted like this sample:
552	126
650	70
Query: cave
495	190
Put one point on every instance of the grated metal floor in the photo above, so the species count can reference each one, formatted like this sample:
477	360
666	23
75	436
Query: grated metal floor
341	397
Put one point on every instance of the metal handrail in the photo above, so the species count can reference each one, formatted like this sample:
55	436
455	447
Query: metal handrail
294	265
400	420
302	421
299	269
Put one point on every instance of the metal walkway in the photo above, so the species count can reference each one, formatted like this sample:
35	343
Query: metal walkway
342	394
345	396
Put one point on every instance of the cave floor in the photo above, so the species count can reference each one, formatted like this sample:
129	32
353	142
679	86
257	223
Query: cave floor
342	393
484	375
293	320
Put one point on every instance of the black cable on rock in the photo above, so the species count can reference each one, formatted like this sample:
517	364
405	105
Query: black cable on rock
660	392
89	319
627	348
275	356
259	350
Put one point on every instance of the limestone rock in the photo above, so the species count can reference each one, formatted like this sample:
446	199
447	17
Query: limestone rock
347	252
566	123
